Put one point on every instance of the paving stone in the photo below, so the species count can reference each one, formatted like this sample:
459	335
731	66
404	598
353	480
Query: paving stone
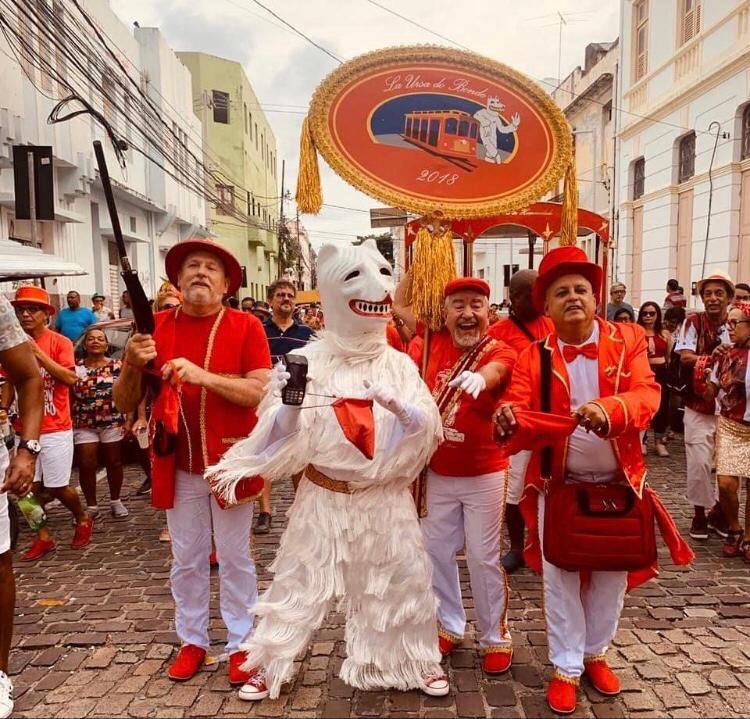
693	683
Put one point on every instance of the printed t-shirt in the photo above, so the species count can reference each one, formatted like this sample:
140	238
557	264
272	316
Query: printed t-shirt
469	449
56	394
93	406
731	374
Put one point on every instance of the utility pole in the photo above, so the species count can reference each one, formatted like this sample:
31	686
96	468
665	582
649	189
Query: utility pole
559	49
282	224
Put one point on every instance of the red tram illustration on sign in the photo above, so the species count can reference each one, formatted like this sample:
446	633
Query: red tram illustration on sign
448	133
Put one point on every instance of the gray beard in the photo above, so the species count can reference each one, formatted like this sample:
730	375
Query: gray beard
467	340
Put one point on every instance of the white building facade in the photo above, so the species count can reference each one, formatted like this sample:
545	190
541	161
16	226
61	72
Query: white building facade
155	210
683	144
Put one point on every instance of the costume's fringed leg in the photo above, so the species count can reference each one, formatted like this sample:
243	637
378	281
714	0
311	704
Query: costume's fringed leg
391	630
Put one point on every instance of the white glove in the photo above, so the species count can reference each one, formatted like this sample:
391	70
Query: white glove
470	382
286	420
411	418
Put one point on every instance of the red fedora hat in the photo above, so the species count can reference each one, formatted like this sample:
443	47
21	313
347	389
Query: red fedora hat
566	260
33	295
467	284
177	254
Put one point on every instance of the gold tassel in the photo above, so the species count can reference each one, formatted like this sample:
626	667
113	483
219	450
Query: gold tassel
309	195
569	219
433	267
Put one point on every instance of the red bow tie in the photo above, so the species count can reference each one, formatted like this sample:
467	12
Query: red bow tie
570	352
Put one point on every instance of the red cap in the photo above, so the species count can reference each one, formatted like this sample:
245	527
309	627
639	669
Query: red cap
33	295
565	260
467	284
177	254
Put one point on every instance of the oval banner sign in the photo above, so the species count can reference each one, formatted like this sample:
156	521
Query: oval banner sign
429	128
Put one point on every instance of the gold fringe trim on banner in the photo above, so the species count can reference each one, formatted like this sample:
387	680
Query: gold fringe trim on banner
569	219
433	266
309	195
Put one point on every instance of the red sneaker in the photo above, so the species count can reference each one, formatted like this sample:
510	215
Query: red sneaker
255	689
38	549
447	646
497	661
187	663
213	560
561	694
82	535
236	674
605	681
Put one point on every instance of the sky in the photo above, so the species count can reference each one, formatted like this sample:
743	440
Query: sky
284	69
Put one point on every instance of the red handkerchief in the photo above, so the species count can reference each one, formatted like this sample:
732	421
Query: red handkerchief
357	422
536	430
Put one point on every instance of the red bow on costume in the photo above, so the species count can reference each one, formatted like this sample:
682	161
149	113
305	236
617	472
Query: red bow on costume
570	352
357	422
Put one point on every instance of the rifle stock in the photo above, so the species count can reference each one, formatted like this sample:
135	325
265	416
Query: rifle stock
142	314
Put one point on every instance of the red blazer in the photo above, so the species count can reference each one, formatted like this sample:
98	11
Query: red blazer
629	396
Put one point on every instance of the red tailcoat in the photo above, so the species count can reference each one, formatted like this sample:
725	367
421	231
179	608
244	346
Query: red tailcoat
629	396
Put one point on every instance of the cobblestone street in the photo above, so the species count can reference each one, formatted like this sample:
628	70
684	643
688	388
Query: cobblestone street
94	636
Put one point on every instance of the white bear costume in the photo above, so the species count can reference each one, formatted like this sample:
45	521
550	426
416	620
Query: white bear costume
365	548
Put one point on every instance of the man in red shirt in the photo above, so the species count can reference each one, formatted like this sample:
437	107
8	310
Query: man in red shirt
466	480
523	326
54	354
217	359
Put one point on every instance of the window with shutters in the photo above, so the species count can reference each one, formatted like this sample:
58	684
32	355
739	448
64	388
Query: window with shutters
221	106
226	199
746	133
690	19
639	177
640	39
687	157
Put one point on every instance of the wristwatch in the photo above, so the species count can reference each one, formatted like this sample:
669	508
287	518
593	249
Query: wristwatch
30	445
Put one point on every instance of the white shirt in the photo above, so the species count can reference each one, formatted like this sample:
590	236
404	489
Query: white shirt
587	453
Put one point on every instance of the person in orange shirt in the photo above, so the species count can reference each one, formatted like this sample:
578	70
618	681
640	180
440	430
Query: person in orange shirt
54	354
466	480
524	326
601	387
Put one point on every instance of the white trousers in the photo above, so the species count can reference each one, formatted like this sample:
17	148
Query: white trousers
700	440
518	464
581	621
467	512
191	522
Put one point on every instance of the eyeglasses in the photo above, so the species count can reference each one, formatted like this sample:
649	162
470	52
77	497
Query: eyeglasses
734	323
285	295
30	309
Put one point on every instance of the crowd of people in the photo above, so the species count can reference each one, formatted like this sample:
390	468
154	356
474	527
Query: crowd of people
532	397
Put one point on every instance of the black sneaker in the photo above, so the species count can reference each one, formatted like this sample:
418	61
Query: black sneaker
717	523
145	487
513	561
263	524
699	528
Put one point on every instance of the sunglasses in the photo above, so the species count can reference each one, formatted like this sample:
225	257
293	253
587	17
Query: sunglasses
30	309
648	314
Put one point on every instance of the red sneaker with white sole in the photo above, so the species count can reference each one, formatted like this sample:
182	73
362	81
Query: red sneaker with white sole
254	689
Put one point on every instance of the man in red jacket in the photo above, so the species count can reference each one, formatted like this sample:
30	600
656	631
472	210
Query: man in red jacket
466	481
522	327
214	364
602	387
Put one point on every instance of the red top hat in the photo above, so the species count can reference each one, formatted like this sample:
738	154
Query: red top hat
466	284
33	295
177	254
566	260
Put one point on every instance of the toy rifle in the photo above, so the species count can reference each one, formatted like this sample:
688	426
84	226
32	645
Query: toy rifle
142	314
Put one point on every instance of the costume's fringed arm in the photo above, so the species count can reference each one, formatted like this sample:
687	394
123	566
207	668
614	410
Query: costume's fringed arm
273	450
